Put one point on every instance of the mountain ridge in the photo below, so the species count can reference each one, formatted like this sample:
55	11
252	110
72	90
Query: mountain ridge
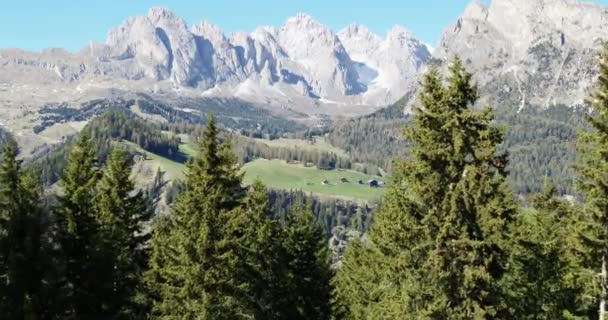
302	64
528	53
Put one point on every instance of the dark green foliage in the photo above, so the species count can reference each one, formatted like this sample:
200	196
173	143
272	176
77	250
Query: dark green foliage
547	278
329	213
360	283
223	255
593	171
541	146
441	232
85	285
117	125
122	213
257	250
248	150
308	265
114	125
373	140
282	270
188	276
21	240
539	141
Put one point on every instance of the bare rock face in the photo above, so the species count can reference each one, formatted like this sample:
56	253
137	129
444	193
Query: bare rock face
301	64
387	67
529	53
161	45
322	58
220	59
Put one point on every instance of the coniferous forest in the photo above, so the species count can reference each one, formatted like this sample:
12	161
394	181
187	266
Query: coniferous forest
449	240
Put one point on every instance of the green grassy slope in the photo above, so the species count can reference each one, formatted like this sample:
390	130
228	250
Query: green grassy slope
320	145
280	175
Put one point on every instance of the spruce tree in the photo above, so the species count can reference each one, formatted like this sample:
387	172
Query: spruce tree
189	277
546	277
593	174
308	266
280	269
358	284
122	213
256	248
86	284
443	227
21	237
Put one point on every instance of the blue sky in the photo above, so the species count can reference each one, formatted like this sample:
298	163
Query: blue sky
71	24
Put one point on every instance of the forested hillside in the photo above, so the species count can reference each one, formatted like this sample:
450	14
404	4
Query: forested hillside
449	239
540	142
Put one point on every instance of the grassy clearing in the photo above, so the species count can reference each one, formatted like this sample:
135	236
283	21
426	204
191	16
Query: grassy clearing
320	145
278	174
281	175
187	147
172	169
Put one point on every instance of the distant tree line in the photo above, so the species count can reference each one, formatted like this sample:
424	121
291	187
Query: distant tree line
329	213
249	149
105	130
540	143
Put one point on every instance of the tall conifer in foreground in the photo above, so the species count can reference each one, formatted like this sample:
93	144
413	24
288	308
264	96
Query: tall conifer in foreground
85	283
256	242
21	266
189	277
593	182
280	270
442	229
122	213
308	264
547	278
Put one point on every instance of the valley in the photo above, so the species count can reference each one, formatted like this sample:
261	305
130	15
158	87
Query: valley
278	174
343	184
310	170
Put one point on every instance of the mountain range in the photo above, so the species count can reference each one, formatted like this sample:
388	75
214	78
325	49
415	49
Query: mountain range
302	63
523	53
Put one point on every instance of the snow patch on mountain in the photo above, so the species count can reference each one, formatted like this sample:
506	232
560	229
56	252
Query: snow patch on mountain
301	64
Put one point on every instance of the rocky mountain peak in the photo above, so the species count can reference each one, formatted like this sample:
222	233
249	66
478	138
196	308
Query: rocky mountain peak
476	10
529	53
301	63
400	36
320	57
303	27
302	20
158	15
358	31
209	31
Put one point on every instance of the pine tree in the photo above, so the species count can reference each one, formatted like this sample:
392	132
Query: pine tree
593	171
86	285
308	266
21	235
189	277
122	213
256	248
359	282
443	227
546	277
280	268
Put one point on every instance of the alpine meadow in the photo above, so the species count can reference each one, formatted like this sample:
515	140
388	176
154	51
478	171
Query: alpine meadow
303	172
